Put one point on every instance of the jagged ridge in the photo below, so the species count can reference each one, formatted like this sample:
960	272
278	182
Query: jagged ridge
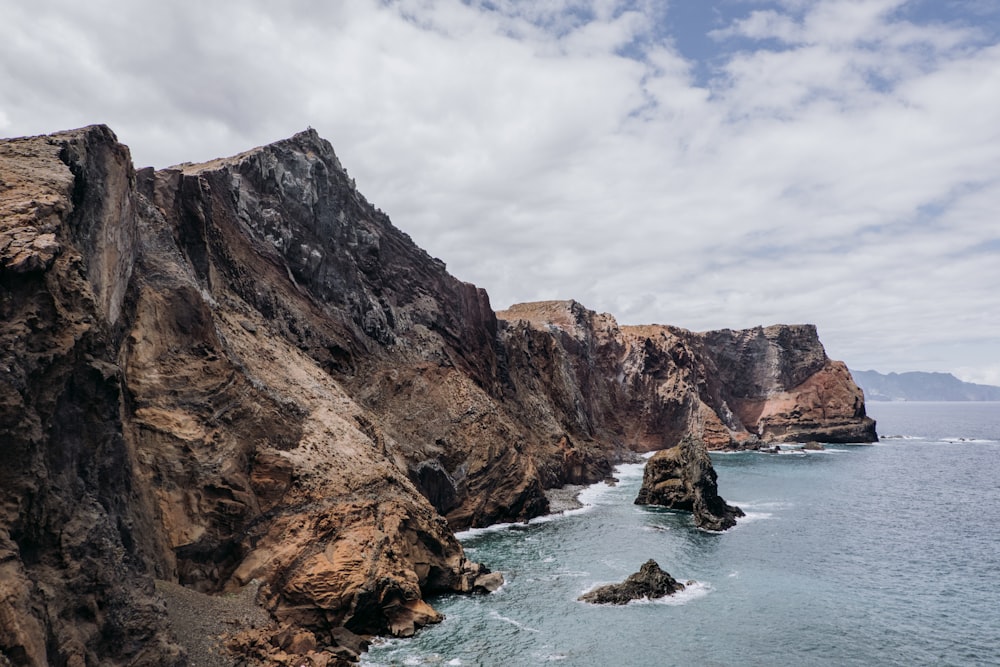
242	370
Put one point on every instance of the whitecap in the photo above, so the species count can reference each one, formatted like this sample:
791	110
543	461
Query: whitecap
693	590
591	495
572	573
655	529
969	441
476	532
750	517
506	619
576	511
762	504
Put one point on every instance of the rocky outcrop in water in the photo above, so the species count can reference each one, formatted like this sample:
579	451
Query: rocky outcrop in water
682	478
645	387
650	582
240	372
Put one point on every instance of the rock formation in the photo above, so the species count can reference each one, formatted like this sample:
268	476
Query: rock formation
650	582
646	386
682	478
241	371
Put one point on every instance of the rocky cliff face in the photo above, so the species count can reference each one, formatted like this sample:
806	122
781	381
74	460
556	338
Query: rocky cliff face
643	388
241	371
682	478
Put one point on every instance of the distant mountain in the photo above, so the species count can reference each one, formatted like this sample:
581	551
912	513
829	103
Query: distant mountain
919	386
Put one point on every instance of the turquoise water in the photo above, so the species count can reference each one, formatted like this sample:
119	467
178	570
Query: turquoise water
885	554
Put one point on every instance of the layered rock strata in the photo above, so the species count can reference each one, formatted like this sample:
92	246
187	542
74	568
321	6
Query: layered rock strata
647	386
682	478
241	372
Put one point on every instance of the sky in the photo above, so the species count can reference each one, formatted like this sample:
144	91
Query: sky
704	163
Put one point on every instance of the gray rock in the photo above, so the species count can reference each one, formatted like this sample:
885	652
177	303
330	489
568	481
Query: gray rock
649	582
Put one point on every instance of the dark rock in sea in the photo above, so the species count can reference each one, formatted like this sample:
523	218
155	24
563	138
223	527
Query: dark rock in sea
682	478
649	582
813	446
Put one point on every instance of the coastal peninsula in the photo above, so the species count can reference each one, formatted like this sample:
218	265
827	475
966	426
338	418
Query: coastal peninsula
241	376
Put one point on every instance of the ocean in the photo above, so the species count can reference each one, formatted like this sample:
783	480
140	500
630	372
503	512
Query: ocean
884	554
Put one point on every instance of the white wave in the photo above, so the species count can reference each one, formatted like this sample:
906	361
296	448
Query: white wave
655	529
969	441
506	619
454	661
502	588
693	590
592	496
750	517
761	504
476	532
572	573
629	470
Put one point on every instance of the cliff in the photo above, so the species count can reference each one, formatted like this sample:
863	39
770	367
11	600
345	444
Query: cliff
241	372
645	387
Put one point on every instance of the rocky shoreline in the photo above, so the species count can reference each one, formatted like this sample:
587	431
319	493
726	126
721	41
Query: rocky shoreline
564	498
241	370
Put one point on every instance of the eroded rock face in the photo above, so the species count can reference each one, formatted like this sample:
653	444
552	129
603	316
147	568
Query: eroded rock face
682	478
645	387
169	406
241	370
783	388
650	582
75	584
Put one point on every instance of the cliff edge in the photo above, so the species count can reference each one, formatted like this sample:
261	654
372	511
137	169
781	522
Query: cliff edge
240	373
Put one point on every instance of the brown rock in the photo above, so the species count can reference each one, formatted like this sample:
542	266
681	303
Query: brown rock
487	583
682	478
242	370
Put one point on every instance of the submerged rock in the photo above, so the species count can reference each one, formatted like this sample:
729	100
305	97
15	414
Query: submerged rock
649	582
682	478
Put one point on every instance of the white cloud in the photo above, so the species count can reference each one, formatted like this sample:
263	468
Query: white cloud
565	149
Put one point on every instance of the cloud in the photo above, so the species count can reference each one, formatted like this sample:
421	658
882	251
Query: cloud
835	162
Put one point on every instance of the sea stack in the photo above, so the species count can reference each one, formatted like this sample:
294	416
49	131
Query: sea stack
650	582
682	478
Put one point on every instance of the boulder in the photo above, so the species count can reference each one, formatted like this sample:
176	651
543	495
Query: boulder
649	582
